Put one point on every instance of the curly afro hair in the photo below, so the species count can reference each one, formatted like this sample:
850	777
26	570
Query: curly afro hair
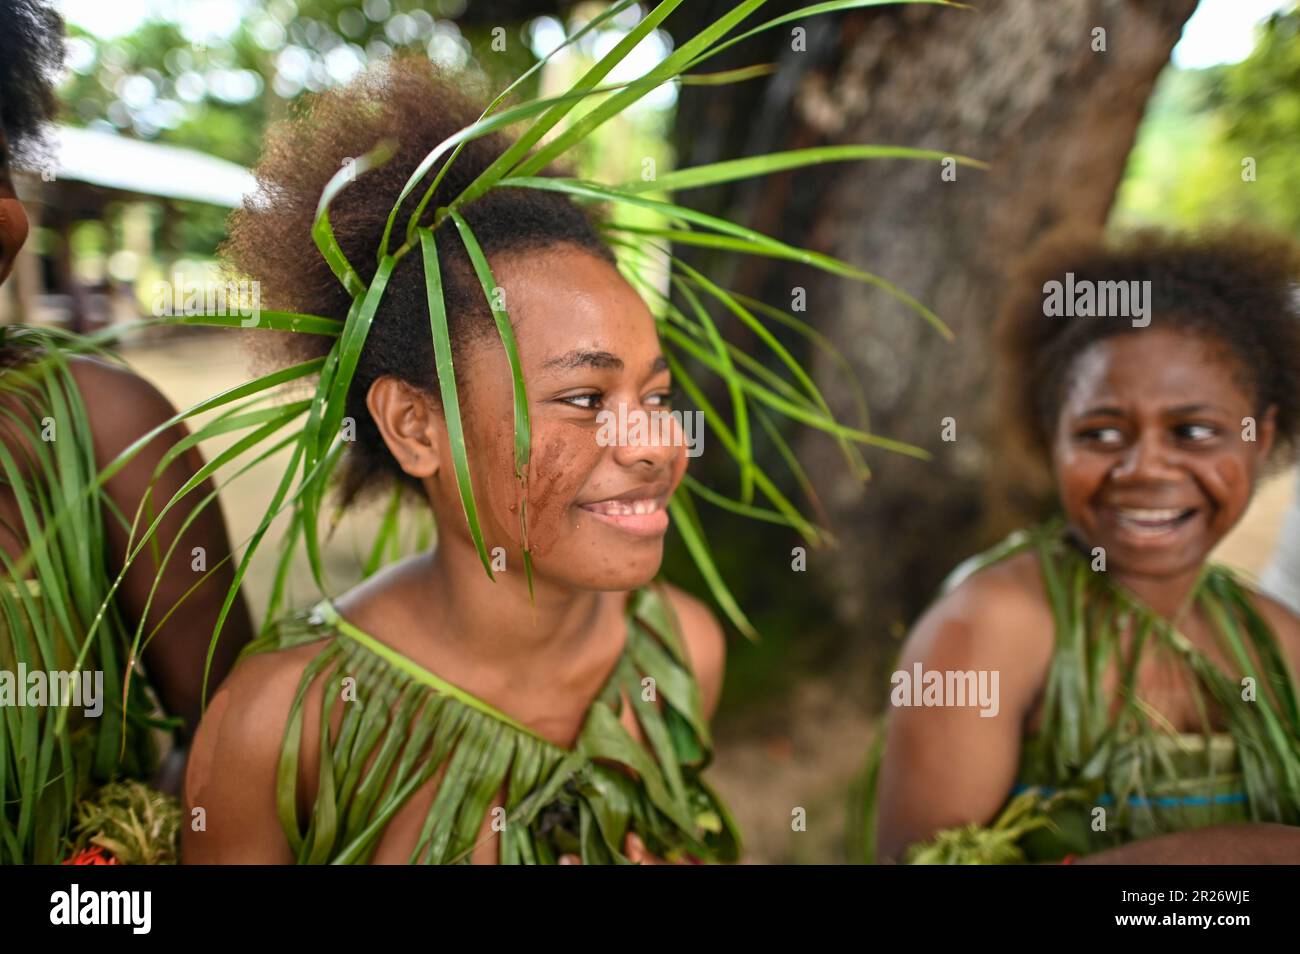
1234	288
410	103
31	55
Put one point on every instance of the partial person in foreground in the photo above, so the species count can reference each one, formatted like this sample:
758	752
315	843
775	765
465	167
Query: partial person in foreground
73	774
1146	708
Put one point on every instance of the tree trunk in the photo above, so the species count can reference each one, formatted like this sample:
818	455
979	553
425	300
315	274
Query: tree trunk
1016	83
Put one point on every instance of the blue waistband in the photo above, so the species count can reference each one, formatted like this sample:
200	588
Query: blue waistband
1139	801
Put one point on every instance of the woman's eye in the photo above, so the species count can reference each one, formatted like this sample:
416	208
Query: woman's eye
662	399
1196	432
1102	435
588	402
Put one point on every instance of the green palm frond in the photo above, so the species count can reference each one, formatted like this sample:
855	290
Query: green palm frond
52	753
765	397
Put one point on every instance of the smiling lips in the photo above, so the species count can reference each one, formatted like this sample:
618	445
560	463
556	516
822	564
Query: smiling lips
1152	524
643	516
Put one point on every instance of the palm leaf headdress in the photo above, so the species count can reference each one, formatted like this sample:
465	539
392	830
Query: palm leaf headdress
310	428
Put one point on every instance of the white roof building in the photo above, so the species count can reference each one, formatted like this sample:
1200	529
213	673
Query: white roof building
88	174
148	168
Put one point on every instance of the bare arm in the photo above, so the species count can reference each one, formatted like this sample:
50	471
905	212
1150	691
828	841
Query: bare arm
122	408
1247	844
706	646
947	766
230	783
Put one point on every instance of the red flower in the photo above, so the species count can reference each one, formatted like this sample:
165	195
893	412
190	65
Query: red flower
94	855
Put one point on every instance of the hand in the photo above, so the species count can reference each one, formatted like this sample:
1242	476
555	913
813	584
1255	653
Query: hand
635	850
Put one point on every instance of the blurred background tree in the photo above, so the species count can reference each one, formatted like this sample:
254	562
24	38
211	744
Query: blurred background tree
1051	95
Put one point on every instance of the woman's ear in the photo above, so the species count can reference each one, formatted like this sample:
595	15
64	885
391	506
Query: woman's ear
1266	433
410	424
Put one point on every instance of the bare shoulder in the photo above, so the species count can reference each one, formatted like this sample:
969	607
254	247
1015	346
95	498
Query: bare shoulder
234	761
244	723
997	618
1285	625
122	407
266	681
998	599
103	383
705	643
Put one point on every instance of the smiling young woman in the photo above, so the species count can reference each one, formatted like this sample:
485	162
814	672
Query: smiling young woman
434	714
1148	707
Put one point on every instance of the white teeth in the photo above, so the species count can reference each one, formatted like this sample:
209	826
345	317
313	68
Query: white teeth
1150	516
626	508
1150	522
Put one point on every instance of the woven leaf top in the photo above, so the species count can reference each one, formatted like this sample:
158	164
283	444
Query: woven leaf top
408	728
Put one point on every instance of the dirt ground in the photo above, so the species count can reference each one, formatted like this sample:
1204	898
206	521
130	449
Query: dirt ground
799	753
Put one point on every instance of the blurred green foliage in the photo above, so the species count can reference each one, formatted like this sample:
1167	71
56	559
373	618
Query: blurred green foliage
218	94
1219	145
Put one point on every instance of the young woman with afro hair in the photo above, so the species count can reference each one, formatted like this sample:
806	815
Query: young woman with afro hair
432	714
1147	707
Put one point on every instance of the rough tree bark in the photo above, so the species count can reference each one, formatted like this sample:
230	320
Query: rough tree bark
1016	83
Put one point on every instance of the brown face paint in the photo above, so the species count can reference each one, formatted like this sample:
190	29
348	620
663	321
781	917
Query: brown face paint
491	449
1148	452
567	455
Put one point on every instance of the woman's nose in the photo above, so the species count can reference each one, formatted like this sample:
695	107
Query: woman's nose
647	436
1147	458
